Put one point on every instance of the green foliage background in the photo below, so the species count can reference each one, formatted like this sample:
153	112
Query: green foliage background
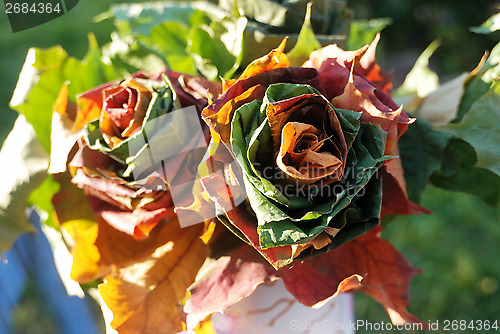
455	246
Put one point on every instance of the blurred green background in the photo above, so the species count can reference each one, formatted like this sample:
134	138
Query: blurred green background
455	246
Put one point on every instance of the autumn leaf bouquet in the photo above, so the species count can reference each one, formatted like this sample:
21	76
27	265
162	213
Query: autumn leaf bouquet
178	194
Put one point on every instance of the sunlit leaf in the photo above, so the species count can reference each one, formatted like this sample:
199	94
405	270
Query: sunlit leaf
306	42
129	55
145	297
189	36
52	68
205	327
481	83
141	18
170	40
421	80
97	245
441	106
42	196
217	48
329	17
23	168
62	135
209	53
492	24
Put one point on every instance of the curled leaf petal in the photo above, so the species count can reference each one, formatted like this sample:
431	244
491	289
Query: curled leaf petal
300	156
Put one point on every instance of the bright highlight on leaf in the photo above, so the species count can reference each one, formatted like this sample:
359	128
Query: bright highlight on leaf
490	25
421	80
145	297
23	168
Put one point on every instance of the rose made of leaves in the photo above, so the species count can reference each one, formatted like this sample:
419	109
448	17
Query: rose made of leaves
123	110
309	164
129	203
126	190
353	80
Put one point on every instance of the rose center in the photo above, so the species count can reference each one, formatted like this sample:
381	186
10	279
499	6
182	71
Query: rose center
309	141
304	156
124	108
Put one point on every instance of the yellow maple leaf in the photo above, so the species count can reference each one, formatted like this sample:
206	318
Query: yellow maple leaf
146	297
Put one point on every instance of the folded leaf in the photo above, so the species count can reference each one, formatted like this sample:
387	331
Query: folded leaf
362	59
368	264
219	114
273	60
352	80
285	216
282	225
163	101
